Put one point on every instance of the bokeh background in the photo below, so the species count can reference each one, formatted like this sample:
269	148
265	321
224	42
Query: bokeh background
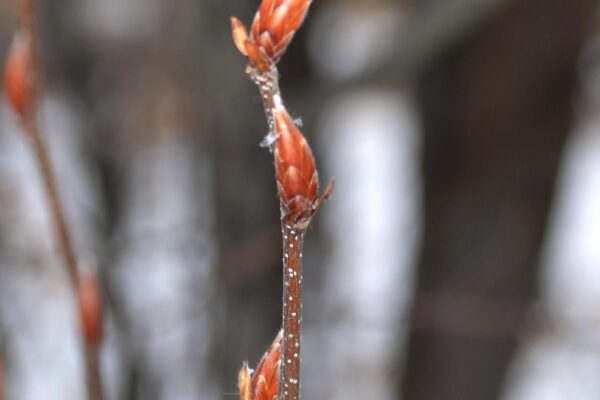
458	259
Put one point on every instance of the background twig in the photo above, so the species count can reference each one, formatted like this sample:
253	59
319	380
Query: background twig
28	118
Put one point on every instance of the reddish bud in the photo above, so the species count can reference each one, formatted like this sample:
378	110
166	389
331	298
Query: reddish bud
276	23
264	383
295	169
273	28
90	307
18	73
296	172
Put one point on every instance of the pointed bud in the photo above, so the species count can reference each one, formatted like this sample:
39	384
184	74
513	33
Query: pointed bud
90	306
296	172
276	23
273	28
264	383
18	74
295	169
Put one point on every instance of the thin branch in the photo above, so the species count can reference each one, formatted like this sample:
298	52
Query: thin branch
25	80
292	311
59	221
297	181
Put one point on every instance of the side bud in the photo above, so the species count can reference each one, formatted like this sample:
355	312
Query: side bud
296	173
264	383
295	170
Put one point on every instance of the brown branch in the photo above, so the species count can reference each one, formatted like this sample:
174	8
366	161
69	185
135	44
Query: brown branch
268	85
292	312
59	221
296	174
24	79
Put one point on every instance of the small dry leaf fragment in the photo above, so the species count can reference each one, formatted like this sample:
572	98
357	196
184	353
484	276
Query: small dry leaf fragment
18	74
240	35
245	382
90	307
264	383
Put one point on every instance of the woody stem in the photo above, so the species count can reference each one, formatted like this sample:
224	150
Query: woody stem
42	156
289	382
268	86
52	194
63	239
293	238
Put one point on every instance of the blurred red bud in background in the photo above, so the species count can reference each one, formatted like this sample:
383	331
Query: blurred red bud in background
18	73
90	306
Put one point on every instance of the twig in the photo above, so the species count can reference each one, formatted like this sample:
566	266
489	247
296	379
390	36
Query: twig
25	82
292	311
297	178
59	222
